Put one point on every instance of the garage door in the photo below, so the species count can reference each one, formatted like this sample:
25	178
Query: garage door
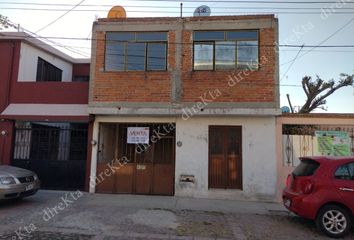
142	157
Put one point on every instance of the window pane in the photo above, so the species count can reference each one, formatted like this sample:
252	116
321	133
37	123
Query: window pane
114	59
203	56
306	168
120	36
225	55
156	59
209	35
247	54
242	35
343	173
151	36
136	56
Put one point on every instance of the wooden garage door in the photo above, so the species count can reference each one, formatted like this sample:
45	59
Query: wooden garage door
150	169
225	157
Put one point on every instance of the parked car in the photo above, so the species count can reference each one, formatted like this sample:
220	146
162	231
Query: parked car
17	182
322	189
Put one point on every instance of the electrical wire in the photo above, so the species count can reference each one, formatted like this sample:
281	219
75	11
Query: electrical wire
58	18
287	70
168	12
323	41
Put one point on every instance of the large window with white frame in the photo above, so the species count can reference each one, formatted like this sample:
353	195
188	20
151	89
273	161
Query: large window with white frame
136	51
226	50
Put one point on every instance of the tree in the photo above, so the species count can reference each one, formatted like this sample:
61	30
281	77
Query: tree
318	90
4	22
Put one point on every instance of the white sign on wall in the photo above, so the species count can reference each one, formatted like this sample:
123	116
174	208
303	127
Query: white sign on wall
138	135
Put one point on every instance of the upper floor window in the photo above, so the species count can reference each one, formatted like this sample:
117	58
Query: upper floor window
225	50
136	51
47	72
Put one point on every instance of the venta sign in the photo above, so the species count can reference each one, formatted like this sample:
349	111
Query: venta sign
138	135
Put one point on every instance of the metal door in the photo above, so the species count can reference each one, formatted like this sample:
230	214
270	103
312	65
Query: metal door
225	157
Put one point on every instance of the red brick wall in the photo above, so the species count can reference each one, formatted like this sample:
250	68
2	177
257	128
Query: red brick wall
132	86
256	86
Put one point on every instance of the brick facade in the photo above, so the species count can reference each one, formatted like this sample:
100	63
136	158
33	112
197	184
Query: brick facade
136	86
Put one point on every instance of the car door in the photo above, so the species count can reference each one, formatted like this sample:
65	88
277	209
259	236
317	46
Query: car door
344	183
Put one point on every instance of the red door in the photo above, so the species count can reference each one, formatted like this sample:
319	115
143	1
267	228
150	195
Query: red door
344	183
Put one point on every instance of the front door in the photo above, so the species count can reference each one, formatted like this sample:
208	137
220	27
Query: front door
225	157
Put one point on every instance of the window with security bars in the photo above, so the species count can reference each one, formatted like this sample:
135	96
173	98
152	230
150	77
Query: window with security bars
136	51
225	50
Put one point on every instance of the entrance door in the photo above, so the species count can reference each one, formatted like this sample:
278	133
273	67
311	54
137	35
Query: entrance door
225	157
139	168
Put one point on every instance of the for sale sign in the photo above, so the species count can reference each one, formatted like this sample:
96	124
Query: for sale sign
138	135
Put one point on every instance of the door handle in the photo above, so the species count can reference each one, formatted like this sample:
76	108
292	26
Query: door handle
346	189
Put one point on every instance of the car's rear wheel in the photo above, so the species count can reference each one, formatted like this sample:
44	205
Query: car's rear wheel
334	221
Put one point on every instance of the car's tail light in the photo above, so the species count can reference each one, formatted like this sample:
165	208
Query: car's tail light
288	181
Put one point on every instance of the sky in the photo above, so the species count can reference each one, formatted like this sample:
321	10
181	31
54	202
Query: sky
329	24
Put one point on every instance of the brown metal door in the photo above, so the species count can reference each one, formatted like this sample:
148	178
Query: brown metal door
150	169
225	157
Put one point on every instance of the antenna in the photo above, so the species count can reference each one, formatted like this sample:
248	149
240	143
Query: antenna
202	11
117	12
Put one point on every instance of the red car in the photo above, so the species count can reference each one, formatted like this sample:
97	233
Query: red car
322	189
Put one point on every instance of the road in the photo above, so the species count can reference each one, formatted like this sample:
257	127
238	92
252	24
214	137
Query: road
51	215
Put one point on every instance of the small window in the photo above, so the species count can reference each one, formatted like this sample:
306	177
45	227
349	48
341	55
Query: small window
307	167
345	172
135	56
81	78
247	54
225	54
242	35
151	36
156	56
208	35
47	72
203	56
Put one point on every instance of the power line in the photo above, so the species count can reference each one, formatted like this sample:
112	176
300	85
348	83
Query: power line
61	16
150	6
287	70
323	41
184	43
168	12
243	1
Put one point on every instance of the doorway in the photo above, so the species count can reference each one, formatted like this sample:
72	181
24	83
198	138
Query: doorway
143	165
225	157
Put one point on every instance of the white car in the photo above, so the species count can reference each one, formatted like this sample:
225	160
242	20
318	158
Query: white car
17	182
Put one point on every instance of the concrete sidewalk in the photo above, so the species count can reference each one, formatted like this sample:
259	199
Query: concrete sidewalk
183	203
79	216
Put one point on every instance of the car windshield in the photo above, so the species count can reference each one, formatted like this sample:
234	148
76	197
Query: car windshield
307	167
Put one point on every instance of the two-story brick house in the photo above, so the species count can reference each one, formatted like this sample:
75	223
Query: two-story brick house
44	123
185	106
